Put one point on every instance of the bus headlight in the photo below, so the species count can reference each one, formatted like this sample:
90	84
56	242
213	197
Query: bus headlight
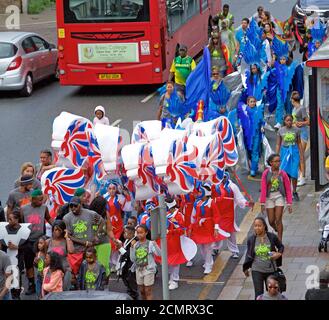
61	71
157	70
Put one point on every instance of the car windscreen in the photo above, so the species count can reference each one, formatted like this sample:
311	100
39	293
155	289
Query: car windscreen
106	11
321	4
7	50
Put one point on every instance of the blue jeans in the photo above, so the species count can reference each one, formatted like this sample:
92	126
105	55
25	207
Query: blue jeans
38	285
7	296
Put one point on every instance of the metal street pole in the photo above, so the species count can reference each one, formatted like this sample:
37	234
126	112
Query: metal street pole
164	256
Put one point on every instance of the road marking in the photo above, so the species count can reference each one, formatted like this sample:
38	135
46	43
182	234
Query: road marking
217	269
149	97
116	122
200	281
247	223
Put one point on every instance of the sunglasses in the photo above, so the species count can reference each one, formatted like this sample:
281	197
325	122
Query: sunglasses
215	74
73	205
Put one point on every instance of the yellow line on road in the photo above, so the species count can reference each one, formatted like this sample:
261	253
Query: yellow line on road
247	223
217	269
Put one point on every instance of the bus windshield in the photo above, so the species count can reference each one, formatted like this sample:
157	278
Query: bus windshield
106	11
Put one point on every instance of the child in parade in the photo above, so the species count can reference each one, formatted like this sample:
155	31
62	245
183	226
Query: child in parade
275	190
92	275
251	118
227	196
116	205
175	229
205	229
291	152
100	116
142	255
125	264
39	264
53	274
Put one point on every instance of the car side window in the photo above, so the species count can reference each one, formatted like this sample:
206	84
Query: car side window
28	45
40	43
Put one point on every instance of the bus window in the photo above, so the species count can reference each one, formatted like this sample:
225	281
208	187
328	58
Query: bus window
105	11
180	11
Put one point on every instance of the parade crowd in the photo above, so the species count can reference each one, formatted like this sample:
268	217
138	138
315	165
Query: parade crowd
94	235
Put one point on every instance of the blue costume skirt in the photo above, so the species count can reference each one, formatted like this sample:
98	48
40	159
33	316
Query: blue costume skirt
290	160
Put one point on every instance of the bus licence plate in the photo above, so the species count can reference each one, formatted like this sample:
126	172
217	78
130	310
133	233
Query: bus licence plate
109	76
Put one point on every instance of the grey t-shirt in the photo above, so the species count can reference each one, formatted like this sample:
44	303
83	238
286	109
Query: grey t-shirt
81	226
35	216
4	268
262	261
17	199
299	114
289	135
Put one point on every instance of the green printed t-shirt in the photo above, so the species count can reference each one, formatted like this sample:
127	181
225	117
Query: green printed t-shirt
81	226
182	67
262	261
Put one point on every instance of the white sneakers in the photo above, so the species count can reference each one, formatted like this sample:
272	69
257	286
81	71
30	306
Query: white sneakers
235	255
173	285
301	182
207	270
189	263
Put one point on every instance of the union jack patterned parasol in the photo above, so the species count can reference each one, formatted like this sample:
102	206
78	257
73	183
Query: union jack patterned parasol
213	161
146	169
226	133
76	142
181	167
61	183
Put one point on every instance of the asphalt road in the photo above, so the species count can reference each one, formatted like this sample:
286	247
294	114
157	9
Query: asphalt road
26	127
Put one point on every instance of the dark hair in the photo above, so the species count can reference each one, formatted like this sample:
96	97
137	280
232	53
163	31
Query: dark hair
226	6
286	116
260	7
133	218
295	96
130	228
59	224
246	19
16	215
272	277
271	158
35	249
47	151
263	221
215	19
143	226
91	250
170	82
99	205
55	262
268	15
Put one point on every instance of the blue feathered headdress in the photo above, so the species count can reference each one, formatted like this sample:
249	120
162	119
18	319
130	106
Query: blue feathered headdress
254	34
280	48
318	32
251	55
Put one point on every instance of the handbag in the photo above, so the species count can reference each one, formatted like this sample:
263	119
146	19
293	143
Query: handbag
278	273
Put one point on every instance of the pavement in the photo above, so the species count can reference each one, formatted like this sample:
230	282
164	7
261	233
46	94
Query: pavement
300	258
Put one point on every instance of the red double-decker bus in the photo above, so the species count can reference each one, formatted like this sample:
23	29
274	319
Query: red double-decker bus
115	42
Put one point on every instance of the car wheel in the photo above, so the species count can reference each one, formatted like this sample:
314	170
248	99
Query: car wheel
28	86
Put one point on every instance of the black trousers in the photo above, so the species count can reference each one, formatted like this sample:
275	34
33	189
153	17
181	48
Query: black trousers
129	280
259	279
